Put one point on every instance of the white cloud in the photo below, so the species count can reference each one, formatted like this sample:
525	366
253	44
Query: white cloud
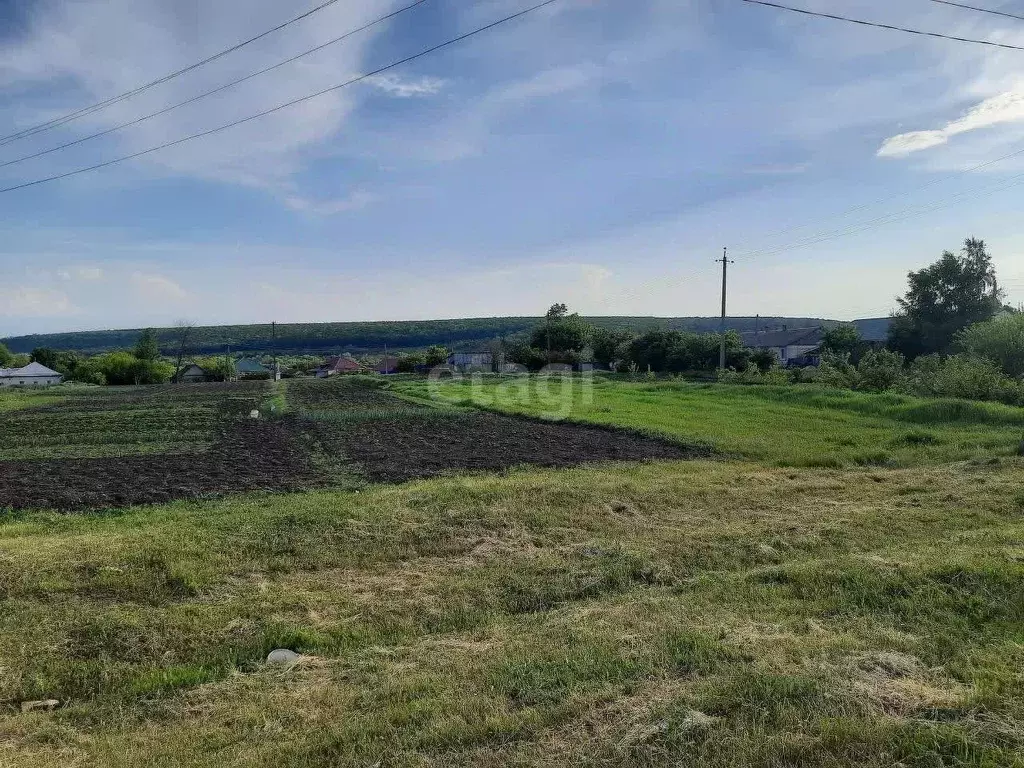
84	274
80	53
1007	107
156	287
356	201
35	302
407	88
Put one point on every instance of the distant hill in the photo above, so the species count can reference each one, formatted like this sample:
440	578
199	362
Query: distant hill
371	337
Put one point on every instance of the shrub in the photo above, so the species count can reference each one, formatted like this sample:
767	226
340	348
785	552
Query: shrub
835	371
1000	341
881	370
975	379
775	375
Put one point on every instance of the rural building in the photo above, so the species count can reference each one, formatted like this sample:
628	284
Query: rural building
388	364
32	375
193	375
336	365
247	368
471	361
793	347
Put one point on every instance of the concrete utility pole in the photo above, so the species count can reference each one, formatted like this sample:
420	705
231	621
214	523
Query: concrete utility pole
721	328
273	350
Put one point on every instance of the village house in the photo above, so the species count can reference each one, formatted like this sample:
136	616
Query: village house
32	375
335	365
387	364
193	375
467	362
793	347
247	368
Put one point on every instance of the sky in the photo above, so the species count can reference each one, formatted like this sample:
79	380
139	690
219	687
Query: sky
595	152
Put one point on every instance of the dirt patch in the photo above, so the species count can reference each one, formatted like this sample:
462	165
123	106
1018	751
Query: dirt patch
342	432
248	457
434	443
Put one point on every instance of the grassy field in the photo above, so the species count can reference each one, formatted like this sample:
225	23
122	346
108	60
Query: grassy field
704	613
786	426
698	613
16	399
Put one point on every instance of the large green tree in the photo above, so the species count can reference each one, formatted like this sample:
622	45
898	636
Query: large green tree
843	339
5	356
944	298
48	357
562	337
147	348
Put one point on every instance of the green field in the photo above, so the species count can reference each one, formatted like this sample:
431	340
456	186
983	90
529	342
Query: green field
787	426
748	610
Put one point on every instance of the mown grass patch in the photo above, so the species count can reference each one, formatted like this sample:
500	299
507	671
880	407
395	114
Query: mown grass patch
695	613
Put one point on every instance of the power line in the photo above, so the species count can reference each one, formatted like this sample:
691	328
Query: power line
888	198
31	131
287	104
892	218
979	10
880	25
224	87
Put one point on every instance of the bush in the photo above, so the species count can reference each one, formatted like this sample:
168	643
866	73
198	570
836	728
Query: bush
836	371
881	370
753	375
1001	341
969	377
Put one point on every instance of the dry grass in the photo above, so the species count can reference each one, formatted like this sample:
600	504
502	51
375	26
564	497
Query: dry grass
690	613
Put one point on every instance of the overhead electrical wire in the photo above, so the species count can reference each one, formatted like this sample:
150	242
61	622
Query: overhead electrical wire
224	87
979	10
893	218
286	104
880	25
881	201
58	121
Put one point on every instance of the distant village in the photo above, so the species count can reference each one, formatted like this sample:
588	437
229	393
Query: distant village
789	347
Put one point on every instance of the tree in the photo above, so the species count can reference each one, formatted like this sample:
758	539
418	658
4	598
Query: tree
609	346
408	363
562	336
435	355
843	339
1000	340
45	356
184	329
5	356
943	299
765	359
19	361
147	347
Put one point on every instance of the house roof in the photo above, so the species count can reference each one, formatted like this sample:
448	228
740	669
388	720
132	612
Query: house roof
194	367
342	363
32	370
247	365
787	338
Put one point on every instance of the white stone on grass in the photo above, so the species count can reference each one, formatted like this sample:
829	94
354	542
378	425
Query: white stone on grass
282	656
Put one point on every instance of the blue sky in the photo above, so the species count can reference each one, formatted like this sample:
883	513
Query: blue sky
597	152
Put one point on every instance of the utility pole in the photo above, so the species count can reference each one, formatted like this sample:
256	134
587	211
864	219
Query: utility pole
721	328
273	347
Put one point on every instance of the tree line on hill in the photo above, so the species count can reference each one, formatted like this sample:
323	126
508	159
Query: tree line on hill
364	338
951	335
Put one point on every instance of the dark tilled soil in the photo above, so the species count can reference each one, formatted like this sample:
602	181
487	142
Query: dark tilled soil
250	456
400	449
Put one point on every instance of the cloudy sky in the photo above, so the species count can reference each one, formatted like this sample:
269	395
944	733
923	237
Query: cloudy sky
597	152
